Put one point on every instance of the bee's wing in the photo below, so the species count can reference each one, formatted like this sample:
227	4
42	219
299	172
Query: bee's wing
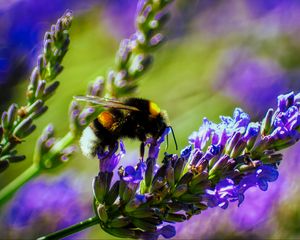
105	102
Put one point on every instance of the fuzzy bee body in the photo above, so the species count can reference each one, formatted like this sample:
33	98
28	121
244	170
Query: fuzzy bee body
133	118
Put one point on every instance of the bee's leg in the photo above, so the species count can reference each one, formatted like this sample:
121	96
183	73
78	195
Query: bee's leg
99	150
113	148
142	151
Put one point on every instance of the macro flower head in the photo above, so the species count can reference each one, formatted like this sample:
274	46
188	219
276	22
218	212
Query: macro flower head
223	162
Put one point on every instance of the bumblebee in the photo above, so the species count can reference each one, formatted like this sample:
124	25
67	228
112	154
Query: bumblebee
133	118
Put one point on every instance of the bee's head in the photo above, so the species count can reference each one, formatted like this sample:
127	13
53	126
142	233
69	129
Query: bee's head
157	113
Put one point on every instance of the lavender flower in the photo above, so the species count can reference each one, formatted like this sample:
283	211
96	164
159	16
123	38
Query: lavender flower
41	207
17	122
133	57
226	160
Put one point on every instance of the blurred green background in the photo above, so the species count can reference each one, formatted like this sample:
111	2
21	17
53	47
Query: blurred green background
187	80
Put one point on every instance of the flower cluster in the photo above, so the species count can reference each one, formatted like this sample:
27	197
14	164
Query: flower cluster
17	122
223	161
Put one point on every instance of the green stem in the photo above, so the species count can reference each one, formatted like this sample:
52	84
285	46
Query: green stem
8	190
72	229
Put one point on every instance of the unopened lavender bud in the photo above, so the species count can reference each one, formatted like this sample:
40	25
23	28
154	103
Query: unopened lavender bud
43	144
52	29
3	165
4	120
35	106
129	192
1	135
218	166
140	64
186	178
266	123
119	222
11	114
16	158
41	65
48	131
49	143
124	53
99	187
197	179
143	15
67	19
48	49
101	210
140	38
144	225
34	78
49	91
180	190
238	148
285	101
57	69
74	112
38	112
170	175
28	131
232	142
260	146
195	157
22	127
86	116
112	194
68	151
191	198
122	232
96	88
156	40
119	80
58	26
157	184
149	171
132	205
178	167
153	24
175	217
48	36
248	167
40	89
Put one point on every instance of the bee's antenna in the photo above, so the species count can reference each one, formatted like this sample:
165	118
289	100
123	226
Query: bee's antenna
167	145
173	134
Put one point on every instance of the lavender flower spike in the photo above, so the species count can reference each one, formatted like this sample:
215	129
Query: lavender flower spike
222	163
17	122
